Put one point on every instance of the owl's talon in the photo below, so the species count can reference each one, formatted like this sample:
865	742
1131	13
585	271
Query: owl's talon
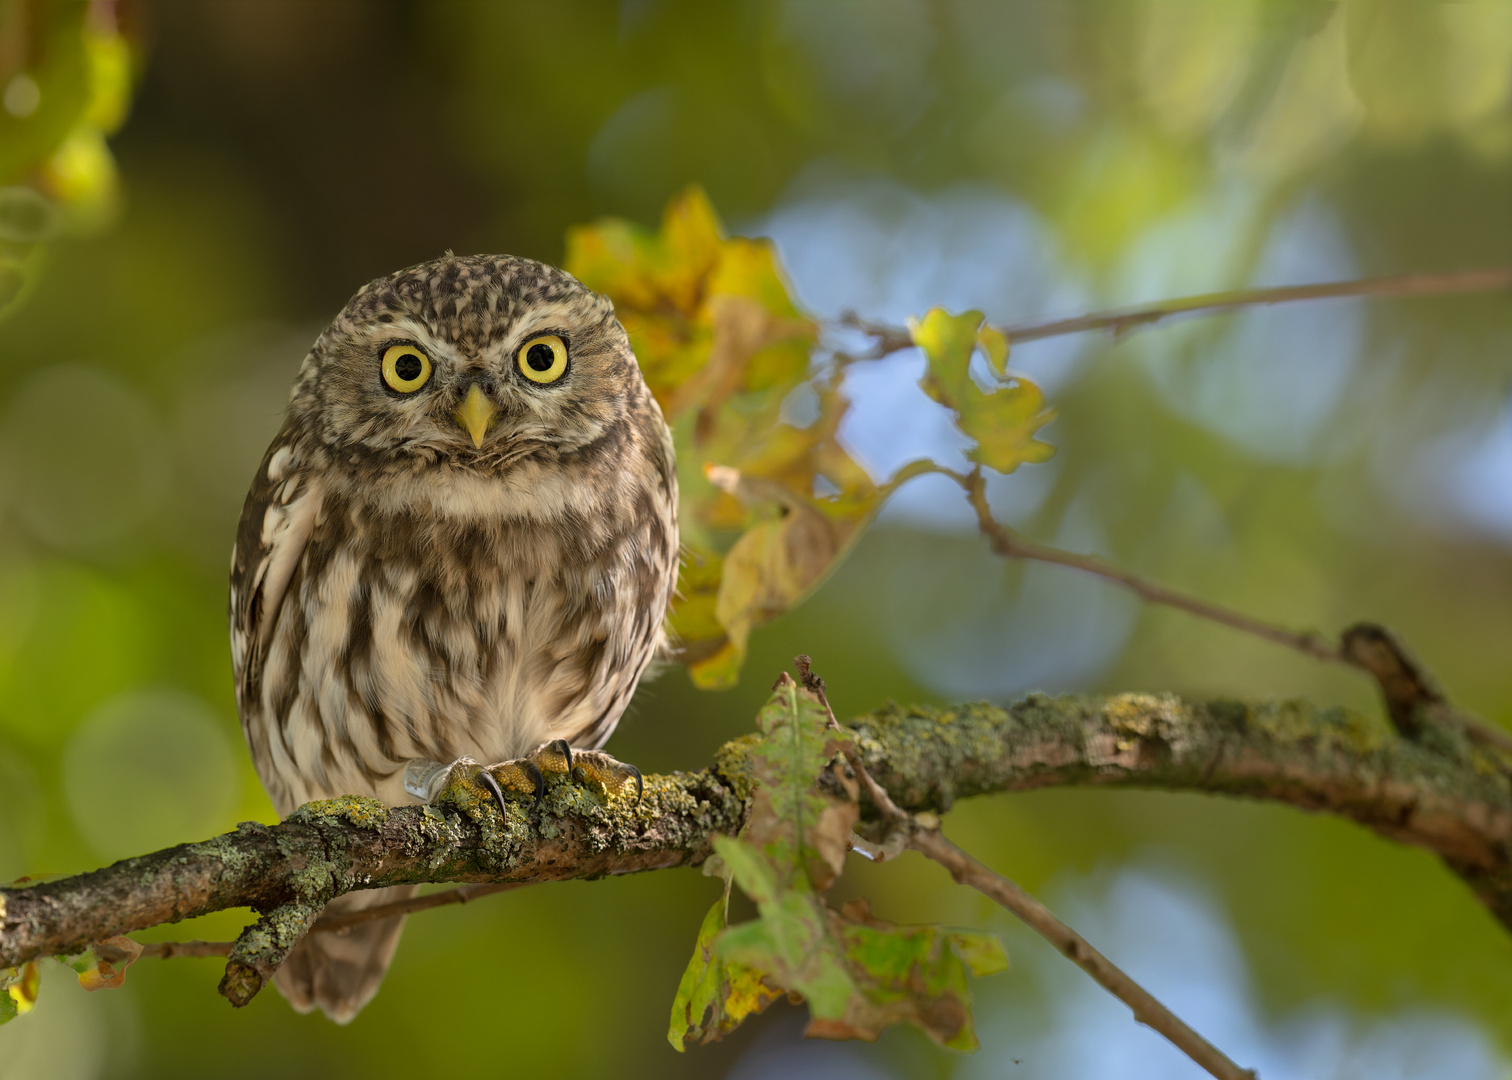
486	778
607	773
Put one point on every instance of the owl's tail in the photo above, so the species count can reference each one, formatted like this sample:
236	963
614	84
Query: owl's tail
340	972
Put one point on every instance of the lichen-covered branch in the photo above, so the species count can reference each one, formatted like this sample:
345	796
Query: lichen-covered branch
1439	791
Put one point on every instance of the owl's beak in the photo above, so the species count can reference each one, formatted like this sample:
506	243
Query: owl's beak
475	413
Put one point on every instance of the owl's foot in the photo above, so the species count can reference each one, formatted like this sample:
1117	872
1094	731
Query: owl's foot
464	780
587	767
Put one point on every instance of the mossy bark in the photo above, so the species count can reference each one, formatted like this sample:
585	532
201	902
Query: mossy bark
1437	791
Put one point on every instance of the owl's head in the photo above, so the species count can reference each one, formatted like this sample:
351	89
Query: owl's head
479	360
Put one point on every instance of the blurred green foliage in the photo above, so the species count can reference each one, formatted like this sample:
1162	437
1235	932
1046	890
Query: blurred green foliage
65	82
1310	466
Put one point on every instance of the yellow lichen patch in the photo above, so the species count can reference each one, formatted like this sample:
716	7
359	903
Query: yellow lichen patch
1485	761
358	810
1145	716
732	761
1286	721
1362	733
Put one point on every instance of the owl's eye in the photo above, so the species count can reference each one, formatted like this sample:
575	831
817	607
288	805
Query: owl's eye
543	359
405	368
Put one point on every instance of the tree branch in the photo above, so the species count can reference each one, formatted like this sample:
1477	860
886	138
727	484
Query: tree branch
1441	792
1413	699
922	834
1492	279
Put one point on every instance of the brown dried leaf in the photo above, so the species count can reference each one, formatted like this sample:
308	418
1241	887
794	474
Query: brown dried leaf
111	958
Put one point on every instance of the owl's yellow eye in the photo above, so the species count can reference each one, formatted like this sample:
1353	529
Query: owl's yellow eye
543	359
405	368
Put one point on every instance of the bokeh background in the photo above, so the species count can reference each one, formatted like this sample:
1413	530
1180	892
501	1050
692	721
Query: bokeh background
1313	464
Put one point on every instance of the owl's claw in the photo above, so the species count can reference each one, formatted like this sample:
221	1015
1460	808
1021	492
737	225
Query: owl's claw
609	774
487	780
521	775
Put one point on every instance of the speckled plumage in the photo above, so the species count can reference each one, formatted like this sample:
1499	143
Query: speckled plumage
398	593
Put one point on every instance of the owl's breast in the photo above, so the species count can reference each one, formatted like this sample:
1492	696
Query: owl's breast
410	633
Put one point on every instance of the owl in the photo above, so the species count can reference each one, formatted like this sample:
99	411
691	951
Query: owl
460	547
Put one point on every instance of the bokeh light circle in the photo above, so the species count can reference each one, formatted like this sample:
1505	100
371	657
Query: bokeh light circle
148	769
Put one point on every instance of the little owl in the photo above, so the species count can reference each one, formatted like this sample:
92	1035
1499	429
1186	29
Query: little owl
460	546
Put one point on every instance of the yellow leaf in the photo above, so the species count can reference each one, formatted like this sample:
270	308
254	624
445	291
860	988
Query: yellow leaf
719	670
994	344
722	346
21	987
1003	421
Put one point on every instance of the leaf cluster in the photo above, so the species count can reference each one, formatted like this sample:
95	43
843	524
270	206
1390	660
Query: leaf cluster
771	500
100	967
858	974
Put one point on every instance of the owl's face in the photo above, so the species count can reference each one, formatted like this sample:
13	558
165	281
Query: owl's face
476	360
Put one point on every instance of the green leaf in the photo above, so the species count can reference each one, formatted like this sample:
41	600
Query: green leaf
801	832
994	344
753	872
792	944
904	973
715	995
1003	421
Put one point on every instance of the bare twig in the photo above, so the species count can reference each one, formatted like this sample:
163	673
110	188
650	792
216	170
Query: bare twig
815	685
335	924
1147	1010
1007	542
1364	646
1493	279
923	836
165	950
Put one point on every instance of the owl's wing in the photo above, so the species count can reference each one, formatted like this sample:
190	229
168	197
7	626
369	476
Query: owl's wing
276	524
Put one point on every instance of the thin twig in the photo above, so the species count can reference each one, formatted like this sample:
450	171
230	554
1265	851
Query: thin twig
329	924
815	685
335	924
1011	544
1492	279
1147	1010
928	841
166	950
1007	542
